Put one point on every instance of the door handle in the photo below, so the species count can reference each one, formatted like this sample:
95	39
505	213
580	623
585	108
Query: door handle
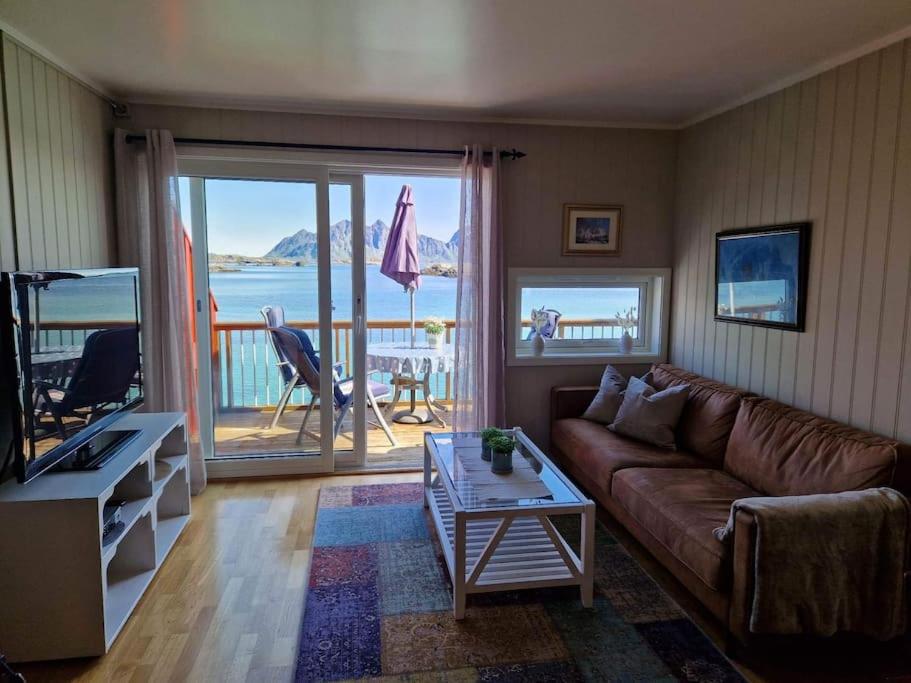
359	319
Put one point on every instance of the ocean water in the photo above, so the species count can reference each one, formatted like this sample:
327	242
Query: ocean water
241	295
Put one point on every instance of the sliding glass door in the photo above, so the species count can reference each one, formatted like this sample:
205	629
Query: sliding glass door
298	245
346	263
265	331
408	335
401	387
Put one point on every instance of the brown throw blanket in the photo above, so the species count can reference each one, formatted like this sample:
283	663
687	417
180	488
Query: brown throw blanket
828	563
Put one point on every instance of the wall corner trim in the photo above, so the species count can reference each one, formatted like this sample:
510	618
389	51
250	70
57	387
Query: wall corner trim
27	43
805	74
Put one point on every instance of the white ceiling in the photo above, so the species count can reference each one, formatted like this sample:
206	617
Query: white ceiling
658	62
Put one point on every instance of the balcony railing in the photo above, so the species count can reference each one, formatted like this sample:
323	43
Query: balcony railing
246	374
245	371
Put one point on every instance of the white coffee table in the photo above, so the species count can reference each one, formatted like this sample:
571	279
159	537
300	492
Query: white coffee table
504	543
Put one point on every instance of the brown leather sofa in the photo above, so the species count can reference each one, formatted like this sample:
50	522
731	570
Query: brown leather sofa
731	444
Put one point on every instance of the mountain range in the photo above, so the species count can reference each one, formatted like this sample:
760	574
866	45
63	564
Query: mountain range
301	246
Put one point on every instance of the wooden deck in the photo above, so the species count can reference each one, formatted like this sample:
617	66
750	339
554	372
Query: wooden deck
246	432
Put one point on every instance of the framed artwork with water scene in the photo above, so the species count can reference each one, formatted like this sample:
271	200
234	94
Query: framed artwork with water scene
591	229
761	276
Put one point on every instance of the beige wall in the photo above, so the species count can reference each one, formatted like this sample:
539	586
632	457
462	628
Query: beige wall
7	234
630	167
59	213
835	150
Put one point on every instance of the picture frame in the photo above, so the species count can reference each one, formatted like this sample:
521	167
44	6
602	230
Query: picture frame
592	229
761	276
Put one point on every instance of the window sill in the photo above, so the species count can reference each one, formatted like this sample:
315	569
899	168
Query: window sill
562	357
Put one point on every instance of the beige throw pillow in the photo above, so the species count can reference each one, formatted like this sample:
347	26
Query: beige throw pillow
650	415
606	403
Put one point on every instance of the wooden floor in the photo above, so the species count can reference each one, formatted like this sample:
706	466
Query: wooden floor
246	432
227	603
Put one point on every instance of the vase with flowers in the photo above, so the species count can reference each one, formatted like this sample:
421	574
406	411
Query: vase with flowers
539	321
627	321
434	329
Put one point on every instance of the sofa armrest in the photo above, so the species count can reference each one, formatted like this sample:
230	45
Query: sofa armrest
743	563
853	542
570	401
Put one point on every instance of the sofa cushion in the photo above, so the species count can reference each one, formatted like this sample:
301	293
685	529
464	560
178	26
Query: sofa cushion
709	414
783	451
607	401
595	453
650	415
681	508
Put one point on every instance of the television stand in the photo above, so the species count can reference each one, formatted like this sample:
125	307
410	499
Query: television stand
68	589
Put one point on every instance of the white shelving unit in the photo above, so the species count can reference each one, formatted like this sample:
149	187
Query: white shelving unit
65	590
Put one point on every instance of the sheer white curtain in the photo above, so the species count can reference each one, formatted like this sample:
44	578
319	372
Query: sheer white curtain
152	237
479	345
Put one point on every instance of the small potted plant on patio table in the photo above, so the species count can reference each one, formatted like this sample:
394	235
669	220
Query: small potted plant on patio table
434	328
486	436
501	454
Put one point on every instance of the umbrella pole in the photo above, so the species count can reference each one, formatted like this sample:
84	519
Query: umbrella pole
412	318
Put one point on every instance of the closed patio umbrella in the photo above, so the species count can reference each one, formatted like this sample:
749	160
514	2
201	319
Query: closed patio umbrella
400	259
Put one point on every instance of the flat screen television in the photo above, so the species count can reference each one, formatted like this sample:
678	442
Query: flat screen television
70	365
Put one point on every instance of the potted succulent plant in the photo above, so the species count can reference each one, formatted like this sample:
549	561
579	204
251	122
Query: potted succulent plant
501	454
434	328
486	436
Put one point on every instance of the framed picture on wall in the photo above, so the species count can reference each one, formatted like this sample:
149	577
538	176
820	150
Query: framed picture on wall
761	276
592	229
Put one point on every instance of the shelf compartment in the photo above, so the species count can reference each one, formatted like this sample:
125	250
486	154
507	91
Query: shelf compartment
136	484
129	513
172	510
135	489
128	574
166	535
165	468
174	443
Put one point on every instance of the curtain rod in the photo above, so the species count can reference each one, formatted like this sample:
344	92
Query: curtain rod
505	154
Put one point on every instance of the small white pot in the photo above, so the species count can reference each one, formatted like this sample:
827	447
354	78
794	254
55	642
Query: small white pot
434	341
626	343
537	344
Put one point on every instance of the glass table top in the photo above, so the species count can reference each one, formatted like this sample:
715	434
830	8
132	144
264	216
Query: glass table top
458	458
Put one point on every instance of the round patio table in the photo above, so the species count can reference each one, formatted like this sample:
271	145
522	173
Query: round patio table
55	363
411	368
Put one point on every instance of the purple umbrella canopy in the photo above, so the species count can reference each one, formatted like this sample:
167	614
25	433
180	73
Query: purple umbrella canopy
400	258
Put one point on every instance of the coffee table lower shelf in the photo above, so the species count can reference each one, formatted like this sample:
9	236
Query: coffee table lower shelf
509	548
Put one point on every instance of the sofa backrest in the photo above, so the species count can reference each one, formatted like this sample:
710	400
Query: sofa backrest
783	451
709	414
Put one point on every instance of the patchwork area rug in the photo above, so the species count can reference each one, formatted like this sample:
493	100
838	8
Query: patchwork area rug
379	606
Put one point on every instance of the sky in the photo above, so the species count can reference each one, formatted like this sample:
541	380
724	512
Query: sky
249	216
